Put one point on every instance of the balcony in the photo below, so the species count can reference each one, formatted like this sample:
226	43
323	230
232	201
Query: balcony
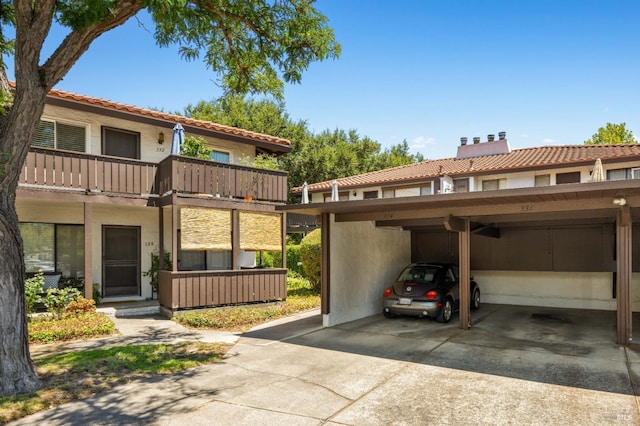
69	170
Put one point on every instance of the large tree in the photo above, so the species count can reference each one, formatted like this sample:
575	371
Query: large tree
252	45
612	134
327	155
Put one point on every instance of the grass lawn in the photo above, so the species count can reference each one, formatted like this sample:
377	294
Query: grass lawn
78	375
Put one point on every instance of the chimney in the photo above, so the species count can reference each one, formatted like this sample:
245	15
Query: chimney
476	139
502	135
491	138
463	141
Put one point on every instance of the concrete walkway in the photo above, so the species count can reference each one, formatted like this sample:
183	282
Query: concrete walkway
375	371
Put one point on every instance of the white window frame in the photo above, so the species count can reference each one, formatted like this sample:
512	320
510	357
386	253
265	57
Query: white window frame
635	173
55	121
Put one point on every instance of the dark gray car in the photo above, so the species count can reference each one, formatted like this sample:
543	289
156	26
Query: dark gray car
427	290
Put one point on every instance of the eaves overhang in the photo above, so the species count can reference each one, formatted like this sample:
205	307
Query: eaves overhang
533	202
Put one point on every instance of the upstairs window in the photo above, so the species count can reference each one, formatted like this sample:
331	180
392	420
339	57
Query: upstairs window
571	177
220	156
494	184
618	174
543	180
369	195
53	134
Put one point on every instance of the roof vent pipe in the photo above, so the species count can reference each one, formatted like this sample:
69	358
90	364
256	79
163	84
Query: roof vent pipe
502	135
463	141
491	138
476	139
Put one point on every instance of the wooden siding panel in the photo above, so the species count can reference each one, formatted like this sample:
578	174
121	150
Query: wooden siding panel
186	290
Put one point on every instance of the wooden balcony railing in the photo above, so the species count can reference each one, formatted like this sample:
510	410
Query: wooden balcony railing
54	168
185	174
75	170
199	289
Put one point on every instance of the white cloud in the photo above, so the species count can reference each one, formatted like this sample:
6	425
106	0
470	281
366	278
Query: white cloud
548	140
524	135
421	142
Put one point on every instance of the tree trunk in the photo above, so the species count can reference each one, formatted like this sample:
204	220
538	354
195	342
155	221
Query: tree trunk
17	373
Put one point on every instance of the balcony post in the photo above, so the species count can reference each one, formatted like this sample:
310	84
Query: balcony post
235	238
88	258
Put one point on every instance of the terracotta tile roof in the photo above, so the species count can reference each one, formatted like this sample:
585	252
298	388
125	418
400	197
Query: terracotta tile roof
518	159
172	118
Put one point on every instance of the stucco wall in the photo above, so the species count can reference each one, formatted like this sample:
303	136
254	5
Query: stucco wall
73	213
364	260
150	150
577	290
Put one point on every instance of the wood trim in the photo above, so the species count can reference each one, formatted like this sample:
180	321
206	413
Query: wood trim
624	250
88	251
325	269
283	219
464	241
235	239
174	238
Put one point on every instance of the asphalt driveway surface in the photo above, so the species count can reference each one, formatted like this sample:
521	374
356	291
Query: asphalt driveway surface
517	365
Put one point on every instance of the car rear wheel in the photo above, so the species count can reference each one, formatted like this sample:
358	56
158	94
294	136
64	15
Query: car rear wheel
475	300
389	314
446	312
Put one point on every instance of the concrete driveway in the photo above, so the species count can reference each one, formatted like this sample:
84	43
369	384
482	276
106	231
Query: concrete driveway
518	365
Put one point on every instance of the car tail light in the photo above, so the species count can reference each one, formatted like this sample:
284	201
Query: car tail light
387	292
432	294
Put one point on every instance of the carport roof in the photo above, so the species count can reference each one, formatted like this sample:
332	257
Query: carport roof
569	201
518	159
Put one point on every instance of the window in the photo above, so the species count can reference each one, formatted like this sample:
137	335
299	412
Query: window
369	195
571	177
202	260
51	247
635	173
426	189
494	184
220	156
53	134
542	180
120	143
388	193
461	185
342	196
618	174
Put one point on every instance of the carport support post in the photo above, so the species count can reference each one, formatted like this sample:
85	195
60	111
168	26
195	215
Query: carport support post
463	228
464	242
623	276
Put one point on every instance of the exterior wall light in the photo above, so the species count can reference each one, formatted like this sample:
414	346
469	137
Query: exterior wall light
160	138
619	201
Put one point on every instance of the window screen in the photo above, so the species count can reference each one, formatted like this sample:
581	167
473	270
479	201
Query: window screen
45	135
70	137
51	134
219	156
572	177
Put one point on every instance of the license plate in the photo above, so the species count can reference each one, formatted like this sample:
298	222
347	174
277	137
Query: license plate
404	301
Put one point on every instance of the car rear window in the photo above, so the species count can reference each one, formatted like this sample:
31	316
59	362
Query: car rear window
419	274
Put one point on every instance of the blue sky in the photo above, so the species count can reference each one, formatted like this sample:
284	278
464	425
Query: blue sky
546	72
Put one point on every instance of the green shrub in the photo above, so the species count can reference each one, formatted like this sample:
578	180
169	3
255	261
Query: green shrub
33	291
311	257
273	259
56	300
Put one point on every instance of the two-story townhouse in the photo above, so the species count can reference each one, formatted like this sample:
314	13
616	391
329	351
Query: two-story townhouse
536	226
100	195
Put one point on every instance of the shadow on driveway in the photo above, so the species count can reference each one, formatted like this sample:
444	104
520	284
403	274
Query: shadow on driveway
573	348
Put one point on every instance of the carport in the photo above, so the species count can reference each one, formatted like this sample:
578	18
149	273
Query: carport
365	242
